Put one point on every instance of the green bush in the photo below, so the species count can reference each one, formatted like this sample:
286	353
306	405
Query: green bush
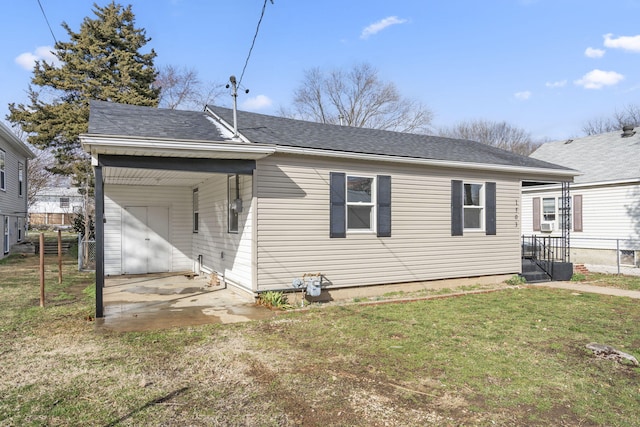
516	280
274	300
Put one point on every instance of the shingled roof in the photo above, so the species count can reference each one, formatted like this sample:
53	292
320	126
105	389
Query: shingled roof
133	121
605	157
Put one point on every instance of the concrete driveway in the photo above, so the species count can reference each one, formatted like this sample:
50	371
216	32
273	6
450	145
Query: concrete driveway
159	301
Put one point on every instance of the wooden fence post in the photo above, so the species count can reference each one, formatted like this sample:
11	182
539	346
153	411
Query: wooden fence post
59	257
41	269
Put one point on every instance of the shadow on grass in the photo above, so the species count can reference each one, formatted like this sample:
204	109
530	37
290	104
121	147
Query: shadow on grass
147	405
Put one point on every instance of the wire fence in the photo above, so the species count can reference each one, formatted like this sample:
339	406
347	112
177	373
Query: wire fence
618	253
86	254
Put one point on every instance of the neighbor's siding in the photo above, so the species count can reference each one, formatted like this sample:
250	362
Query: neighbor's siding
293	227
228	254
177	199
12	205
608	212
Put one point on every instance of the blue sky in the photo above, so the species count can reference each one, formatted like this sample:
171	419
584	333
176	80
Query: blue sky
544	65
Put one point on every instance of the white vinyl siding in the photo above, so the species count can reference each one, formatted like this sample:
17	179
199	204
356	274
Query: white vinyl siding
177	199
293	226
228	254
608	212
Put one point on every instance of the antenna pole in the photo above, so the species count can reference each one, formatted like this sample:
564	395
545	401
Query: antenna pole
234	94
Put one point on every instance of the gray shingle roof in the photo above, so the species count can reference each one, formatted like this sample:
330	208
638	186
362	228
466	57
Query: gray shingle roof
108	118
134	121
265	129
604	157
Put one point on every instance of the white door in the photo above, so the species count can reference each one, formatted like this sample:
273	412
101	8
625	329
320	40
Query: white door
145	240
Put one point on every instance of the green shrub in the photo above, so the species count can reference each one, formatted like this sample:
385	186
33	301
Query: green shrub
516	280
274	299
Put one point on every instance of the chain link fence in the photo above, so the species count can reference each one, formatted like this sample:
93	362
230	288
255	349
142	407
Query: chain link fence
86	254
619	254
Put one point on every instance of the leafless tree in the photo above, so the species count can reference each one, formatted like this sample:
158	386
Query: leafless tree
357	97
39	175
182	89
629	115
497	134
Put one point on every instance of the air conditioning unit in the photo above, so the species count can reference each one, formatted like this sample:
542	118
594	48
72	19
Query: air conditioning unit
546	226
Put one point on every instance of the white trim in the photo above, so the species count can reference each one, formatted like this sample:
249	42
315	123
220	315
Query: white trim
373	214
482	206
425	162
105	144
555	187
8	134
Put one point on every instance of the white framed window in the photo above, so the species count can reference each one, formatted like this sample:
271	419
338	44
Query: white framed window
196	210
2	171
234	203
549	209
20	179
5	239
474	205
360	203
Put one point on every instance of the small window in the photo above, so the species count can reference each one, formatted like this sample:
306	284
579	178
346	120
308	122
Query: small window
64	202
2	171
234	202
360	203
549	209
196	211
20	179
473	206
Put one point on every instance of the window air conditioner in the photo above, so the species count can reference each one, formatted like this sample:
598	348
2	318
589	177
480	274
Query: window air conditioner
546	226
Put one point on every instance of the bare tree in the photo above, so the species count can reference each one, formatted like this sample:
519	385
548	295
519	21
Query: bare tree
357	97
39	175
497	134
628	116
181	88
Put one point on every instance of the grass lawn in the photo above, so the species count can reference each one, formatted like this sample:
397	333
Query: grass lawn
512	357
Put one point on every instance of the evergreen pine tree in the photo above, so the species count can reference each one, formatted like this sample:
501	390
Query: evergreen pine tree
102	61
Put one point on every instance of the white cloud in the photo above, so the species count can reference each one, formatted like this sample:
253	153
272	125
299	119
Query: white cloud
43	53
376	27
594	53
631	43
597	79
257	103
561	83
523	96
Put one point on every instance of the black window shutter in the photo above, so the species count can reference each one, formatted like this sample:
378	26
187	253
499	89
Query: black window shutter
456	208
384	206
337	214
490	200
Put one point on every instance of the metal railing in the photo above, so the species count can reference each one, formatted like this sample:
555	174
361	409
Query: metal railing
544	251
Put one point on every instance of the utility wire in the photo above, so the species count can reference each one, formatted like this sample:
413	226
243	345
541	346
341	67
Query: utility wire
49	25
264	6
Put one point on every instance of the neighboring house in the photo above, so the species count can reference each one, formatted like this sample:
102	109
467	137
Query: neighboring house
285	198
55	207
604	201
14	158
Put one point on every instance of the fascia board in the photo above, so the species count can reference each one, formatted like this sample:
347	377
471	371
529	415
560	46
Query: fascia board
560	173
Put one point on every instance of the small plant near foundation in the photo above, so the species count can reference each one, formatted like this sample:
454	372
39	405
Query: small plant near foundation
578	277
516	281
274	300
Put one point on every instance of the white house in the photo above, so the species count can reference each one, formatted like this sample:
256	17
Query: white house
281	198
14	159
604	215
55	206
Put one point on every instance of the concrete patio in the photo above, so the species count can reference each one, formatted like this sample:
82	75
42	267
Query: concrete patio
158	301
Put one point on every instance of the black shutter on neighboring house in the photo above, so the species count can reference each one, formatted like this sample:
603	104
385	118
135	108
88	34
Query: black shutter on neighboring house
536	214
490	200
456	208
337	214
384	206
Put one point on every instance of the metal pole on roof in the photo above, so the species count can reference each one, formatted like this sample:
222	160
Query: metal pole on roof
234	94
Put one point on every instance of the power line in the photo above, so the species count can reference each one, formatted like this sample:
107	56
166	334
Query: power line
264	6
49	25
